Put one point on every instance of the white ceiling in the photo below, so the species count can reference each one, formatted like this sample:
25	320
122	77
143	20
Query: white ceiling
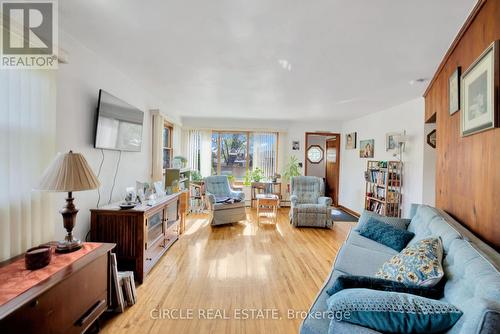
271	59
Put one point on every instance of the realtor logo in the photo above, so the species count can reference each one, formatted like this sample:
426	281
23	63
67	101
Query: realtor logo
29	34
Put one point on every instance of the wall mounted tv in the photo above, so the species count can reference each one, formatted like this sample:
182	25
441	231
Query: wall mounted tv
119	125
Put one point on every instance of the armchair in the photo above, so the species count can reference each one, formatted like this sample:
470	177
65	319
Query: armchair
217	190
309	207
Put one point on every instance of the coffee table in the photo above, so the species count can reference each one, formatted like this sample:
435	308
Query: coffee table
267	203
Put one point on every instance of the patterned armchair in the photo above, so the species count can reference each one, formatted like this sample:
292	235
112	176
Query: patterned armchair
309	207
217	190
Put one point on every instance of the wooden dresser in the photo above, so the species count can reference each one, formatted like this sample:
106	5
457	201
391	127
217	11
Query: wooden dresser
65	297
142	234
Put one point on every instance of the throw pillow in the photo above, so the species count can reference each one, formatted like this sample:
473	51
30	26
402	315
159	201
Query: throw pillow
386	234
366	282
392	312
396	222
418	264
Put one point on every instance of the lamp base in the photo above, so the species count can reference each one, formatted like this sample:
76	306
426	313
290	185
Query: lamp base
66	246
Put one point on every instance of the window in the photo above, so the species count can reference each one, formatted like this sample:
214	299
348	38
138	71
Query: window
235	153
167	144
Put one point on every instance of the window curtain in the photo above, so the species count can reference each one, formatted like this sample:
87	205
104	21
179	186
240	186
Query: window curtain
199	151
27	141
264	152
157	146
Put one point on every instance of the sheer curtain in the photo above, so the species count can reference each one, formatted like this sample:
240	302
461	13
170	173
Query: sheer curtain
27	141
199	151
264	152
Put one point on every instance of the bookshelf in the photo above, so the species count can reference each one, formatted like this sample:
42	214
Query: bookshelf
177	179
384	180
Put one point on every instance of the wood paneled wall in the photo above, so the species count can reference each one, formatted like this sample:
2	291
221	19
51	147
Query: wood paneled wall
468	168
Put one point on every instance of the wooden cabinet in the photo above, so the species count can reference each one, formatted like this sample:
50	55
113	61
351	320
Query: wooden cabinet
69	301
142	234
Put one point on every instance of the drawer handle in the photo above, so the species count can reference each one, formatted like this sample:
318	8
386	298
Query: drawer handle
90	313
149	259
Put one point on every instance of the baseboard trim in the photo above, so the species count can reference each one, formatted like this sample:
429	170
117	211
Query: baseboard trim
349	211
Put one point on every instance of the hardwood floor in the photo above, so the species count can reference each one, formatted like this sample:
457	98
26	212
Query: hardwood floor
211	273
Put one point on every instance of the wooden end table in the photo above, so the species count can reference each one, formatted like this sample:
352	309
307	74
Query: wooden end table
268	202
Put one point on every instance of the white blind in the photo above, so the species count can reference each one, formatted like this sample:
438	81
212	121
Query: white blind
199	152
264	152
27	146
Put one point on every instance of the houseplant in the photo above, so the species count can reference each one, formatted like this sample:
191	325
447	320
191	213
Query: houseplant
291	169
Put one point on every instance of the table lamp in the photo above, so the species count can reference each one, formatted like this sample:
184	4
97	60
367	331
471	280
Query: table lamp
68	172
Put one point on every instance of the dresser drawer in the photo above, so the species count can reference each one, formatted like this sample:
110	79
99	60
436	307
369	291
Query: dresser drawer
69	307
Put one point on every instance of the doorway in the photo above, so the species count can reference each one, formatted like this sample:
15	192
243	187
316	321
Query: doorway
322	159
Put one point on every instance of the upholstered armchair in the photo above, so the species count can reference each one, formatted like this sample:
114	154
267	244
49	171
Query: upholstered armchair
225	205
309	207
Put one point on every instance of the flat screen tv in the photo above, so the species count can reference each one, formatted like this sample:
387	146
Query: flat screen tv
119	125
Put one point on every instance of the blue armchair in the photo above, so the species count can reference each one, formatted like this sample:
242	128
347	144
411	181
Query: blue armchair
217	190
309	207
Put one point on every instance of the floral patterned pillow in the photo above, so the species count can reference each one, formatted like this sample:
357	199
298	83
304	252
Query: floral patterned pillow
417	265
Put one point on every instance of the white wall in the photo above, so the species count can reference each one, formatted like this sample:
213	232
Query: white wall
79	82
408	116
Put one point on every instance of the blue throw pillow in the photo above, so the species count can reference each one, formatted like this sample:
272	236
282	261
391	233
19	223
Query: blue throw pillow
386	234
396	222
366	282
392	312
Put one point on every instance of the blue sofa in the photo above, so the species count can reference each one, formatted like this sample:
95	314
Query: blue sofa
472	270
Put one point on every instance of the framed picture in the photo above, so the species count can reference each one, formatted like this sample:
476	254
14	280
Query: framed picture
366	148
479	84
350	141
454	91
295	145
390	141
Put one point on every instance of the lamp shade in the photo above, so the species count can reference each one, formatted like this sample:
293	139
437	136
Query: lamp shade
68	172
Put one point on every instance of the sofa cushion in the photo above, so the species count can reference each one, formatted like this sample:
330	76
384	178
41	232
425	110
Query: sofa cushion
360	261
393	312
400	223
428	222
417	265
386	234
340	327
314	324
473	285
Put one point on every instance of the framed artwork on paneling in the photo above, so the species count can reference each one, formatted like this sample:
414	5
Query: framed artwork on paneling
454	91
479	93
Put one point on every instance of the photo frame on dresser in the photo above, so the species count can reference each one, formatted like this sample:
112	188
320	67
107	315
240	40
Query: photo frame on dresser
479	85
454	91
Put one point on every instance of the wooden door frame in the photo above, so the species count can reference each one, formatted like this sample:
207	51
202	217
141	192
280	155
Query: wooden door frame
324	134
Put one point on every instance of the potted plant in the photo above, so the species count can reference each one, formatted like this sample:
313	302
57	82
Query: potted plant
257	174
291	169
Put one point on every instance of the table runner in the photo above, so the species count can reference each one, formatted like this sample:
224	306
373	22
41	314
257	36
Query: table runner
16	279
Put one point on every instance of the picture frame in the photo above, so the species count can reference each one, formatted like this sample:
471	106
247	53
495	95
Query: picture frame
454	91
367	148
479	84
390	142
350	141
295	145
